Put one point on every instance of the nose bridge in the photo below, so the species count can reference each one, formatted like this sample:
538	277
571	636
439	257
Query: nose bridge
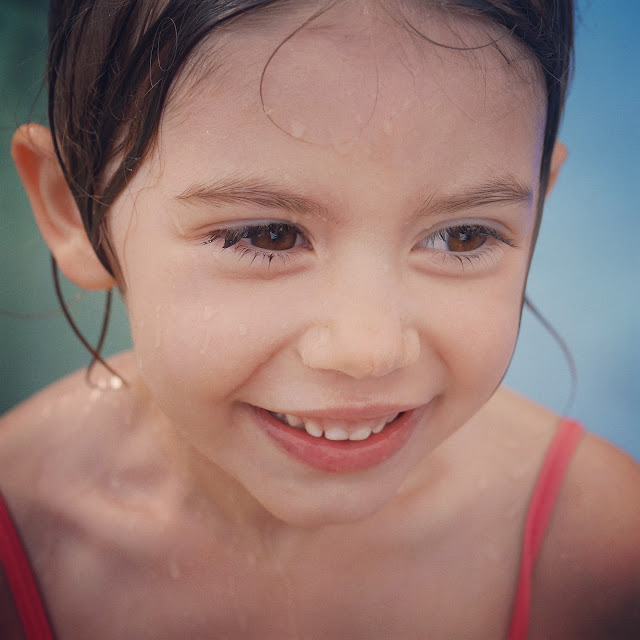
363	327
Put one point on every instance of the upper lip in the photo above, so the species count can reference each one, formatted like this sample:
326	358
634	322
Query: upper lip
348	413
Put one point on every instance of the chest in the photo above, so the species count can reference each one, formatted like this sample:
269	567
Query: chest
321	591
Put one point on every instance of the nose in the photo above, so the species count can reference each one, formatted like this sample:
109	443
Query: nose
361	333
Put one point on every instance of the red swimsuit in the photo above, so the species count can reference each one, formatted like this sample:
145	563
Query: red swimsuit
22	596
541	506
23	616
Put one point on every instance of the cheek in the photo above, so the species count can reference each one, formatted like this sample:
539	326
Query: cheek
197	339
484	352
478	332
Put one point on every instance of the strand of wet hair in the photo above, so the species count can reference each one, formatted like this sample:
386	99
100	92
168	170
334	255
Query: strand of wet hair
106	317
95	352
566	352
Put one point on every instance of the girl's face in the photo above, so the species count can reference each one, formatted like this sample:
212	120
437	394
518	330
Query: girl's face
338	229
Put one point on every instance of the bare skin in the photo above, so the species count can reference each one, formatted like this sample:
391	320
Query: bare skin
125	545
165	510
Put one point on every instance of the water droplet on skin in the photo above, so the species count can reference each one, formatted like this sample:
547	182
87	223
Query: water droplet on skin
207	312
242	329
493	552
95	394
517	473
115	383
174	569
297	129
205	345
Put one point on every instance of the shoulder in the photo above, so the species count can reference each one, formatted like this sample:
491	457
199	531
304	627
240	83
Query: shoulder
56	421
587	582
514	433
76	451
89	488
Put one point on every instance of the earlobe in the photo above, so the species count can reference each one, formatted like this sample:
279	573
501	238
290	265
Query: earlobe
558	158
54	208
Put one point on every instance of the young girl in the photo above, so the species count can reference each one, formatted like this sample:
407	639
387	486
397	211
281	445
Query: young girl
320	216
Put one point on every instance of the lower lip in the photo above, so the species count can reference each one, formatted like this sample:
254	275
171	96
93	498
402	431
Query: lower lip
343	456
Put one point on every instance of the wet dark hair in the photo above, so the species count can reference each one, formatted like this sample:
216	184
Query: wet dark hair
112	64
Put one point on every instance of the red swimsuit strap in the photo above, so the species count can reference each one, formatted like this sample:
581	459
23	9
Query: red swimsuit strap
21	581
541	507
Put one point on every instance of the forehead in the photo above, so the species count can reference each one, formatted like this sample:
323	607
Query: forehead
359	76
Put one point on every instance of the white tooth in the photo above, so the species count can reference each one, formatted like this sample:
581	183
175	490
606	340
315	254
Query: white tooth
293	421
335	433
391	418
380	426
313	429
360	434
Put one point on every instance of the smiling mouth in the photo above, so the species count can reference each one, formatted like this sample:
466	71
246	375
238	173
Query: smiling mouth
340	445
337	430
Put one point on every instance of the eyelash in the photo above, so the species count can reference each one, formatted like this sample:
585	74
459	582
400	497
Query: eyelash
471	229
234	235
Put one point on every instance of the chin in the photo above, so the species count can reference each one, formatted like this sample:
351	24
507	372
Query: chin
330	505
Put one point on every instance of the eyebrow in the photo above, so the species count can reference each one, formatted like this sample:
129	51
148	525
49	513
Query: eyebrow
504	190
253	191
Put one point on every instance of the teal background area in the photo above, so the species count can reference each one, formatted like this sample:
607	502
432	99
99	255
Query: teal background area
584	276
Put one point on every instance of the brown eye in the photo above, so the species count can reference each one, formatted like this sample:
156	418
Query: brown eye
274	237
464	238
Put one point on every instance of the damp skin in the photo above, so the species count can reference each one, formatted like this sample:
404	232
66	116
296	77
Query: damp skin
368	306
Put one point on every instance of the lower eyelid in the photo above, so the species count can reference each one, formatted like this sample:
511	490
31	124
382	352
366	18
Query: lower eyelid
483	258
486	256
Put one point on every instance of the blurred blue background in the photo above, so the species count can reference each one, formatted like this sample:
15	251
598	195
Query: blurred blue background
584	276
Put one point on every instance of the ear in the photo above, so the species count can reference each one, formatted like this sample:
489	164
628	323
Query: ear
54	208
558	158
